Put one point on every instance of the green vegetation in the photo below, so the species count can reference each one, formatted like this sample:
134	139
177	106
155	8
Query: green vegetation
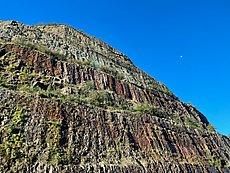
106	69
55	124
5	84
77	61
214	161
100	98
95	64
192	123
147	109
39	47
158	86
143	108
211	128
25	80
53	141
85	93
11	148
19	117
26	75
167	91
112	72
178	120
123	103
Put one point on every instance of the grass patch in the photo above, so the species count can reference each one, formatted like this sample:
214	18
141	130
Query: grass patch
211	128
192	123
112	72
147	109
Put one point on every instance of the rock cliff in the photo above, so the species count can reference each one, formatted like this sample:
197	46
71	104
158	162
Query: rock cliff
71	103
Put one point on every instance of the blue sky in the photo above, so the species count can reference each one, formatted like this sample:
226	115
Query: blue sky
154	34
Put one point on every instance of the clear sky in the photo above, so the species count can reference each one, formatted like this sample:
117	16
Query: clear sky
182	43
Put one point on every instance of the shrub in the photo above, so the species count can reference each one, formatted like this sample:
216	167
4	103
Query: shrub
19	118
49	91
78	61
100	98
211	128
2	81
105	69
192	123
214	161
97	97
86	88
143	108
113	72
95	64
119	76
122	103
167	92
148	109
81	62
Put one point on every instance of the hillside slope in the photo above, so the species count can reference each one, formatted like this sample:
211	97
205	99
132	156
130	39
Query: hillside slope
71	103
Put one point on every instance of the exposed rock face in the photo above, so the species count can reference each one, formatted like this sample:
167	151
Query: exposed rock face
71	103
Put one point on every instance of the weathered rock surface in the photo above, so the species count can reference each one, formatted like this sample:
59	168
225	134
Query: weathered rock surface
71	103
